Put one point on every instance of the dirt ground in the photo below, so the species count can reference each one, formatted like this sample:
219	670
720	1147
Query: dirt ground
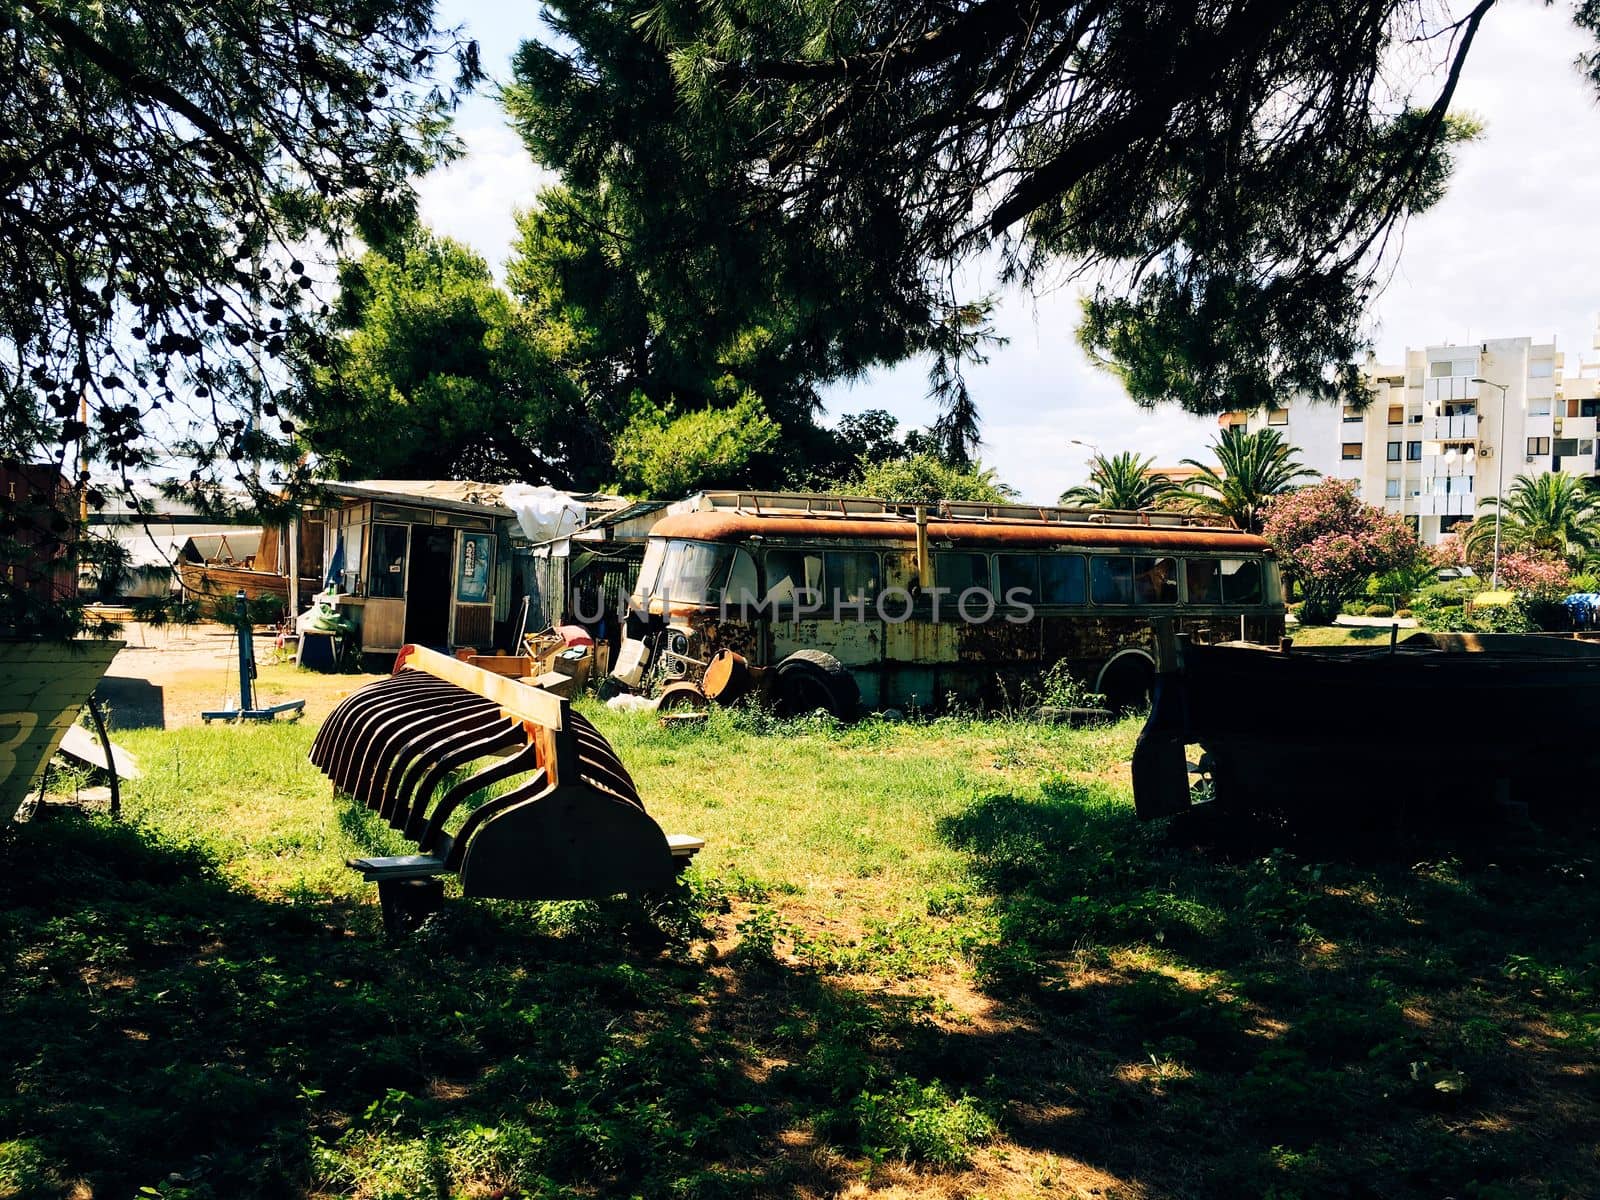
165	678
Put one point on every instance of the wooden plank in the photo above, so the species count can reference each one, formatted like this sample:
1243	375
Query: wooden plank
519	701
685	845
82	745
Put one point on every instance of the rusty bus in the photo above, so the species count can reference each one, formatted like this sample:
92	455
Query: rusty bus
863	603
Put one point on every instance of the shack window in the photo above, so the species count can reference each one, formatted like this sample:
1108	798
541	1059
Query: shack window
352	559
1155	580
1241	581
1018	572
1111	580
788	571
852	576
1061	579
1202	579
961	572
386	562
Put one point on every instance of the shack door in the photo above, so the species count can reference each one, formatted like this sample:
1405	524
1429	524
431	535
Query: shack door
428	587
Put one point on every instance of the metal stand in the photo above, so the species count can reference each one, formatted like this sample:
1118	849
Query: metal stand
247	673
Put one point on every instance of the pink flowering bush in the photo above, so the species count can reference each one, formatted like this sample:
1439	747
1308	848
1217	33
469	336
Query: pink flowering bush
1330	543
1527	571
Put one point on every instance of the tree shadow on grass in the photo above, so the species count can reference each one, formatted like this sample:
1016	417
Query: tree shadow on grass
1189	1024
167	1030
1248	1023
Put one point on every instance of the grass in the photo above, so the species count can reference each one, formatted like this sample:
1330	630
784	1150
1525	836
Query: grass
1344	635
934	959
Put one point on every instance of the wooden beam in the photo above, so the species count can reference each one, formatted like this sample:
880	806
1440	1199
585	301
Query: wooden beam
520	701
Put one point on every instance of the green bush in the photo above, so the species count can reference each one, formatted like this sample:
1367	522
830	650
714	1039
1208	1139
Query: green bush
1584	582
1402	613
1379	610
918	1123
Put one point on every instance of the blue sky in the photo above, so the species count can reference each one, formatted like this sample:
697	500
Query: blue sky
1513	250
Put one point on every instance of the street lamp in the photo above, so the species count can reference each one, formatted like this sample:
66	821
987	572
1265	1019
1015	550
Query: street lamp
1500	478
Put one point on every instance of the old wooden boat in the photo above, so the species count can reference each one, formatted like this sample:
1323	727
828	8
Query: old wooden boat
222	579
43	685
1437	721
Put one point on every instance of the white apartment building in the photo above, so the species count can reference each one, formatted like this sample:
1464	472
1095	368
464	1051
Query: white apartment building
1434	441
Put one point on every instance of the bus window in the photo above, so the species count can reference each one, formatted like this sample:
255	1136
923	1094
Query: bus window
688	571
1241	581
655	551
742	588
1061	579
1111	580
788	571
852	575
1201	577
1155	580
961	572
1018	572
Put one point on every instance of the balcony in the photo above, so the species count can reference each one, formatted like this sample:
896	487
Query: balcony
1462	504
1453	387
1439	464
1450	429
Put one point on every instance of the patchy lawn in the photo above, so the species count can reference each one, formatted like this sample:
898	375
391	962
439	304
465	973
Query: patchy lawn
922	960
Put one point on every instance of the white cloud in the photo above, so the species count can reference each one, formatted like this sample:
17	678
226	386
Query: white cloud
473	199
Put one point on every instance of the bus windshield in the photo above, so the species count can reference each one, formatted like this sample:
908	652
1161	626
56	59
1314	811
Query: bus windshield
681	571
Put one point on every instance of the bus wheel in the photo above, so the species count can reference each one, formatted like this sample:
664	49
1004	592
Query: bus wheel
811	679
1127	681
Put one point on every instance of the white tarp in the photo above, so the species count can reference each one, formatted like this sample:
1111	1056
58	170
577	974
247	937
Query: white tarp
543	512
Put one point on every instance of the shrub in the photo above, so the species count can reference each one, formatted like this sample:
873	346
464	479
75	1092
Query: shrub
921	1123
1332	544
1380	610
1403	613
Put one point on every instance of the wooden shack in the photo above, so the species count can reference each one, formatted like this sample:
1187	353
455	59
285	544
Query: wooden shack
424	562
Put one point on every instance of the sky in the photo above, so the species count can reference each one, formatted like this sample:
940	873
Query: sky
1512	250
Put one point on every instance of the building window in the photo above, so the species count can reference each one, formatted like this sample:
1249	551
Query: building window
1566	446
1439	370
1393	453
1277	416
1350	450
1352	413
1538	406
1538	445
1588	408
1541	368
1413	451
1397	414
1391	489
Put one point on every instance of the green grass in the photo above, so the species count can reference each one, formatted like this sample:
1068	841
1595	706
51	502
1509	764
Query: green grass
1344	635
940	957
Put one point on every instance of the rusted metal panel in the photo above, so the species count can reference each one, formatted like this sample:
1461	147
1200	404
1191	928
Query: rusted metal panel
715	526
574	828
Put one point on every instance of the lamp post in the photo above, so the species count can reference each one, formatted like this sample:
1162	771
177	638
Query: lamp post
1500	478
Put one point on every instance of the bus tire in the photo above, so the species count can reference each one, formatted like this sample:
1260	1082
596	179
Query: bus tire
1127	681
811	679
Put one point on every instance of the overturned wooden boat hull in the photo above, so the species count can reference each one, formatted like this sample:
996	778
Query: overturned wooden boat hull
1437	721
42	687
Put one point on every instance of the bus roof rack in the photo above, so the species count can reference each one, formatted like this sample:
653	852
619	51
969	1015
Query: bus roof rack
789	504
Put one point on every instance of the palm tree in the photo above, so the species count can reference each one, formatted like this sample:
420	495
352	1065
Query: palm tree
1251	469
1123	481
1553	513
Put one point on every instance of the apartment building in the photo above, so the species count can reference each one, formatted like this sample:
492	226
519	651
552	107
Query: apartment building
1450	426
